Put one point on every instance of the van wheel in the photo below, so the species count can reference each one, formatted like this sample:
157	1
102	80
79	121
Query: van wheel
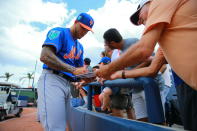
19	112
18	115
2	115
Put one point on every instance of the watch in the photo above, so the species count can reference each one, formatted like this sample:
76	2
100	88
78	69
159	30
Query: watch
123	74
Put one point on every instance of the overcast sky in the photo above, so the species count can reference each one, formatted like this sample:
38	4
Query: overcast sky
25	23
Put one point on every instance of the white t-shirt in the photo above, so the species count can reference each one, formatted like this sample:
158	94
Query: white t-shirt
115	54
167	76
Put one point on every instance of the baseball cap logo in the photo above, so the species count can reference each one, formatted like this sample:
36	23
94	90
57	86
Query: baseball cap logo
91	22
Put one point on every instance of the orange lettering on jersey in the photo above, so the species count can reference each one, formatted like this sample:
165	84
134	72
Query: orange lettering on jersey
78	55
71	55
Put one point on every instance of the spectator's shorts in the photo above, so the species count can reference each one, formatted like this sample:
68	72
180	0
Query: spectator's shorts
115	90
130	103
139	105
121	101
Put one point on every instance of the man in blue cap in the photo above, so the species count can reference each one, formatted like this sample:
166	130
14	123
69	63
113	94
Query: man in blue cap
105	60
62	55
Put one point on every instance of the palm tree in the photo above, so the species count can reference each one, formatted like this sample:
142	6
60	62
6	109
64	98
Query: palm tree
7	76
28	76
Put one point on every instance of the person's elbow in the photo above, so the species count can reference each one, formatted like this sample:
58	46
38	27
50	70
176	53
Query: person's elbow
152	72
44	58
145	52
46	54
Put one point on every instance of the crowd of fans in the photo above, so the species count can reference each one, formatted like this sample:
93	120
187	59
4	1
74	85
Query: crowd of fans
145	99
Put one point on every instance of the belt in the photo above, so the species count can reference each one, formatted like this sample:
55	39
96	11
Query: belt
63	76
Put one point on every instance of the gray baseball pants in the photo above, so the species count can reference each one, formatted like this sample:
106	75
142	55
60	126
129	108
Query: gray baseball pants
53	101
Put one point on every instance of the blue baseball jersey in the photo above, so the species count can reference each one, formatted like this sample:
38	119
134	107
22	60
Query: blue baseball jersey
68	50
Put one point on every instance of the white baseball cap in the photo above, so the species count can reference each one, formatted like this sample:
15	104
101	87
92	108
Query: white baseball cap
135	16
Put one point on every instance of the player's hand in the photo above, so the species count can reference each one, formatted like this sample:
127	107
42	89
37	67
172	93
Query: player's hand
116	75
104	72
80	70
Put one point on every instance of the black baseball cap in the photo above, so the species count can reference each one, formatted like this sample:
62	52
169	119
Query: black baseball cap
135	16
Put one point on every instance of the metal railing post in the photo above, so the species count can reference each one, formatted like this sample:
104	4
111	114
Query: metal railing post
90	97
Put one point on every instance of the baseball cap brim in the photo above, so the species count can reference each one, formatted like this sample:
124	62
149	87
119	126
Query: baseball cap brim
86	27
135	17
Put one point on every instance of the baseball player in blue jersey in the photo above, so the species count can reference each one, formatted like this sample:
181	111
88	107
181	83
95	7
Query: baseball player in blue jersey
62	55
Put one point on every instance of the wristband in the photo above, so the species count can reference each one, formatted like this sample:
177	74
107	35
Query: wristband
123	74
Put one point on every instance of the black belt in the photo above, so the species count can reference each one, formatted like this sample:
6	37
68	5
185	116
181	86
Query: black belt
64	76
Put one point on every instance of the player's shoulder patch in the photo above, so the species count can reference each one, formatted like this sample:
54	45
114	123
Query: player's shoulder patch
53	34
